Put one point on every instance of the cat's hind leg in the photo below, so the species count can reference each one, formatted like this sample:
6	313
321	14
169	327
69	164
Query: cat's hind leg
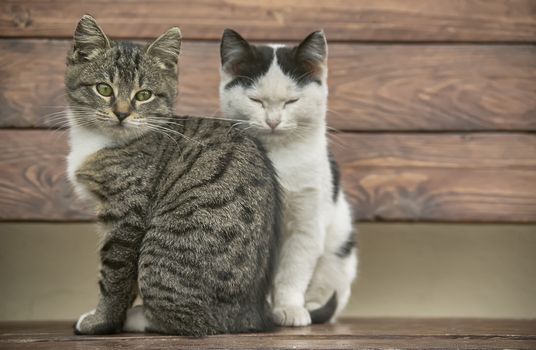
337	267
333	274
136	322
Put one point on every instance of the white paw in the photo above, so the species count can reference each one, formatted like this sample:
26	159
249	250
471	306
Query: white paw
136	321
81	318
295	316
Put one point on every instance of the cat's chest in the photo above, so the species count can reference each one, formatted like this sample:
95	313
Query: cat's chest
296	170
83	144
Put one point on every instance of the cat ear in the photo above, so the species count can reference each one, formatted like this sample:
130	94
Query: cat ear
313	49
89	40
166	48
233	51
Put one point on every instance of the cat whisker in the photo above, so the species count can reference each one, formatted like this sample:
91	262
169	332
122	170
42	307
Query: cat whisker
153	128
306	74
61	116
58	132
157	130
163	121
336	141
66	113
236	124
200	117
227	119
335	112
334	130
245	77
67	107
162	128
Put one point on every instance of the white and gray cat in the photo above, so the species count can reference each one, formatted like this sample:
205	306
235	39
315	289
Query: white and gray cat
279	94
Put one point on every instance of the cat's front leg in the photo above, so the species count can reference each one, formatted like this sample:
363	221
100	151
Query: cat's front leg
117	282
107	318
298	257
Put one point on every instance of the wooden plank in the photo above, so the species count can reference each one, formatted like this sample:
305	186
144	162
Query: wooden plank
346	334
422	87
440	177
391	177
372	87
348	20
33	181
367	326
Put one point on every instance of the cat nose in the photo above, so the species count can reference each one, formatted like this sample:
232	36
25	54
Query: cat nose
121	115
273	123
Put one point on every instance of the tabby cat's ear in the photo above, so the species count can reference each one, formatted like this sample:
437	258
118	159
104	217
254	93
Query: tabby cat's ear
166	48
233	51
313	49
89	40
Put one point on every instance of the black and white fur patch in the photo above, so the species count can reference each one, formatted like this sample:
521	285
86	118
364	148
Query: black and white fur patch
247	63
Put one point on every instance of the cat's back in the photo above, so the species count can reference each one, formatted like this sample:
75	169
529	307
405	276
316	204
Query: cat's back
208	143
180	153
214	160
208	131
214	228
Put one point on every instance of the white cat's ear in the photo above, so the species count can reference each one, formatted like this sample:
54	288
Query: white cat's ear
89	40
166	48
233	50
313	49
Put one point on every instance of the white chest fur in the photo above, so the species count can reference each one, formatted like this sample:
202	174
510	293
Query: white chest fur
302	164
83	143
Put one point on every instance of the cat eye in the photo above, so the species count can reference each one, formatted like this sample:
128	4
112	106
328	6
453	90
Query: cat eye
105	89
291	101
143	95
256	100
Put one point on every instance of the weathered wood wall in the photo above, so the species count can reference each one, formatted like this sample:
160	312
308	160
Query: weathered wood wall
434	101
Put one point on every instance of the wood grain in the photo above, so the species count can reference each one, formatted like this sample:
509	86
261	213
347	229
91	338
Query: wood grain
344	20
33	181
372	87
390	177
346	334
440	177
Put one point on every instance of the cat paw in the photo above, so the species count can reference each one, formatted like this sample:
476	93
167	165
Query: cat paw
136	321
295	316
90	324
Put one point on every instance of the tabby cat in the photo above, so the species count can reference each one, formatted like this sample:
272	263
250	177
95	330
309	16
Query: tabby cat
189	207
280	95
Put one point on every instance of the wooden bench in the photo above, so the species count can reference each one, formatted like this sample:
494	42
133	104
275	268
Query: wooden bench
347	334
432	110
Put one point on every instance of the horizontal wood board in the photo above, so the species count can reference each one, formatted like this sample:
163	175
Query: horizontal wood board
387	176
343	20
346	334
372	87
396	68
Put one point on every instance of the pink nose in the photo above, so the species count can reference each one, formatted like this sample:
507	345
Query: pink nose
273	123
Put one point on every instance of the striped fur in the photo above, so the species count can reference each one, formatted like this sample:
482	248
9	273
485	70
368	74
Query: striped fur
194	224
190	207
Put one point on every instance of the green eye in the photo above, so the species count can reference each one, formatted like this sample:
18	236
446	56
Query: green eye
143	95
105	89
